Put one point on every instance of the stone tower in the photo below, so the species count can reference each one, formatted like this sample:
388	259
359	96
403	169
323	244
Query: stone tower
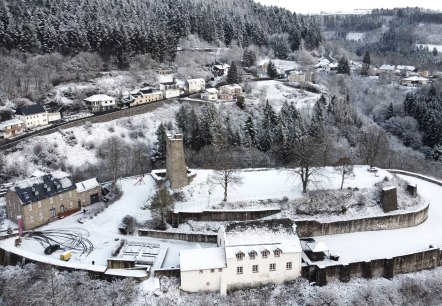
176	171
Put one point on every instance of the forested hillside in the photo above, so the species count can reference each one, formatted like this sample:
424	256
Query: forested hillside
127	28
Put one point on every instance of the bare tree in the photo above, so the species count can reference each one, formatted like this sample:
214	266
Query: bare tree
225	178
112	152
307	153
373	141
345	167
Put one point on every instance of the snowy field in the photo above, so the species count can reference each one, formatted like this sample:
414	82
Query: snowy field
277	93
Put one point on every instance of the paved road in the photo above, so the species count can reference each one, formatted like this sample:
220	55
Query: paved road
389	243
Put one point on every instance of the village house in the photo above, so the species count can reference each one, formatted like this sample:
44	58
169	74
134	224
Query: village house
297	76
220	70
11	128
32	115
414	81
249	254
40	199
232	89
210	94
225	96
169	89
195	85
144	95
99	103
88	192
164	71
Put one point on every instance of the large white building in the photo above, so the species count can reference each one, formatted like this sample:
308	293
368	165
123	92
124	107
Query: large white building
99	103
32	115
210	94
250	254
195	85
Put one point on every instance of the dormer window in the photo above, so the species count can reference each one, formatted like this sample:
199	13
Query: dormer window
265	253
239	256
277	252
252	255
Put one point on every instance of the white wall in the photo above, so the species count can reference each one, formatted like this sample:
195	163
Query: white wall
34	120
194	281
171	93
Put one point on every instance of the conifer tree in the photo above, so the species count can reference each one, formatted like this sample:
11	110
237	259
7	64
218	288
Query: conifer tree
272	72
232	75
344	66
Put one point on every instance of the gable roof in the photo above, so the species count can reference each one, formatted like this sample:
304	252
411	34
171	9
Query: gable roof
98	98
42	187
26	110
202	259
7	123
87	185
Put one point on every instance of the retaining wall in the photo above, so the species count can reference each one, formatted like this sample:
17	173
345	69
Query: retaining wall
222	215
307	228
167	272
178	236
386	267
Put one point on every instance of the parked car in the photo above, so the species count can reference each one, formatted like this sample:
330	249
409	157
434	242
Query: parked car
52	248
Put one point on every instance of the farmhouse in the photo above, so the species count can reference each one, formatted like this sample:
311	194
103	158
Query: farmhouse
169	89
99	103
414	81
297	76
32	115
210	94
40	199
143	96
249	254
231	89
11	128
195	85
220	70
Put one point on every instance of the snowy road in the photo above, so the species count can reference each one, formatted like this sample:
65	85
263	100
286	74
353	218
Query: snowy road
384	244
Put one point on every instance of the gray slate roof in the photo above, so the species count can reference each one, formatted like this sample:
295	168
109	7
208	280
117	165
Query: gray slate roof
27	110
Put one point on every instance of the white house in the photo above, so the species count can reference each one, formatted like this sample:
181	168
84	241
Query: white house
250	254
32	115
297	76
143	96
169	89
99	103
231	89
220	70
11	128
195	85
414	81
210	94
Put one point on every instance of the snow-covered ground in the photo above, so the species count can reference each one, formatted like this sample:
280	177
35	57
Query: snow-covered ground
386	244
356	36
277	93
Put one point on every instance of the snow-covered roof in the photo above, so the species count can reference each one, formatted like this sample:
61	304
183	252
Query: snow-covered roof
223	66
415	78
196	81
403	67
87	185
7	123
212	90
202	259
98	98
317	247
38	173
387	67
230	86
333	65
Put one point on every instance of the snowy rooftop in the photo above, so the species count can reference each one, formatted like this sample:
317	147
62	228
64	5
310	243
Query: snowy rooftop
87	185
202	259
415	78
223	66
98	98
7	123
403	67
196	81
212	90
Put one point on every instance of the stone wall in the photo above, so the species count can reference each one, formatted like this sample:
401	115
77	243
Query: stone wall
176	171
176	272
308	228
386	267
222	215
179	236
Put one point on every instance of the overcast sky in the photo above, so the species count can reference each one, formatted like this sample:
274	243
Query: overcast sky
316	6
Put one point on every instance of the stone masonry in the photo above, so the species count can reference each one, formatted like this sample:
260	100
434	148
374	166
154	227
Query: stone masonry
176	170
389	199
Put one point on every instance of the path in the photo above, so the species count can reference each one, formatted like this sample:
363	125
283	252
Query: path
385	244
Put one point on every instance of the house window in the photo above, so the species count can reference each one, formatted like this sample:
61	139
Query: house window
265	254
40	214
239	270
31	219
51	200
220	270
255	268
208	284
212	270
277	252
62	208
252	255
39	204
52	211
239	256
288	265
201	271
61	196
71	205
30	207
70	193
272	267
